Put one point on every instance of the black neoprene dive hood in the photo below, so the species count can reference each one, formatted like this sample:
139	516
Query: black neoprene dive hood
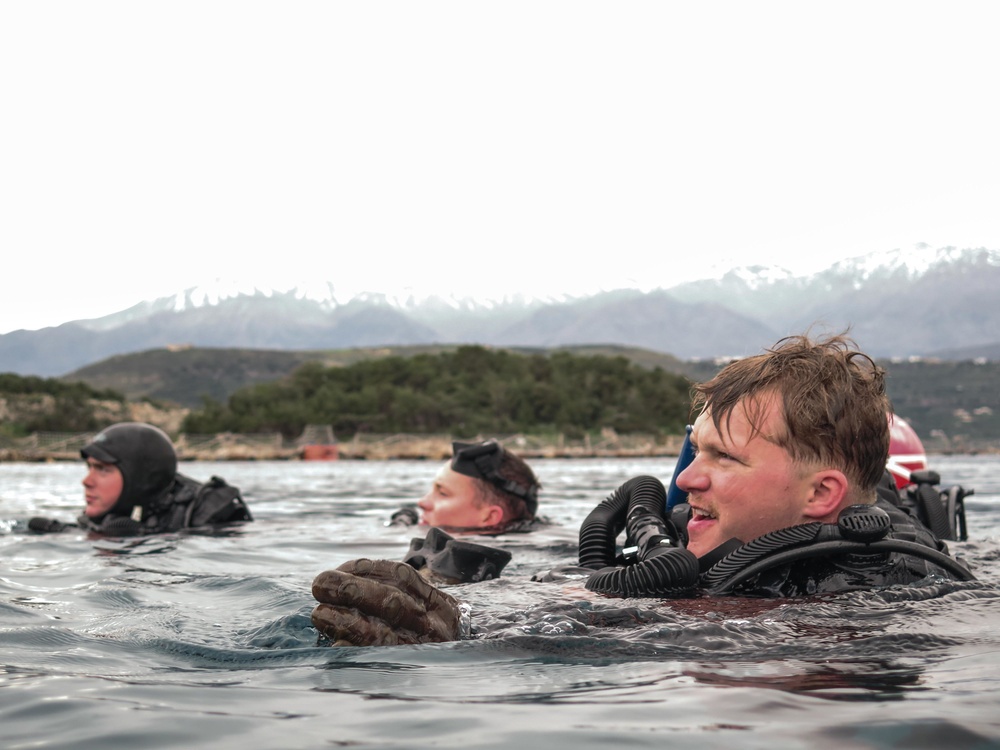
483	461
145	457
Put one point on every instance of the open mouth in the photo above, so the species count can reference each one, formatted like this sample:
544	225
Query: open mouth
700	514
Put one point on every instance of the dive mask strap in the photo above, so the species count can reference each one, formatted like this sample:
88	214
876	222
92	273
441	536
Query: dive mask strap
483	461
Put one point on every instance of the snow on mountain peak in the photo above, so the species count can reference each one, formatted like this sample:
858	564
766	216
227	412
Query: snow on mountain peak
913	261
218	290
326	294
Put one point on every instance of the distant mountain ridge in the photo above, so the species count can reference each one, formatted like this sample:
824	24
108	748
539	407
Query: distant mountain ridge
919	302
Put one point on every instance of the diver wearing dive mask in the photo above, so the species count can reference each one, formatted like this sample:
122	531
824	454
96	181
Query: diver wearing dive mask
483	488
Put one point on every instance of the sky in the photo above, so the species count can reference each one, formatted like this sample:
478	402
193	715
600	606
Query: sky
480	149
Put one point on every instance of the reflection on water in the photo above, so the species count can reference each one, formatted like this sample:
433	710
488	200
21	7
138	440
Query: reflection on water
205	641
875	680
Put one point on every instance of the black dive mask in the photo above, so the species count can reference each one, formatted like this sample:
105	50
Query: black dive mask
483	461
442	557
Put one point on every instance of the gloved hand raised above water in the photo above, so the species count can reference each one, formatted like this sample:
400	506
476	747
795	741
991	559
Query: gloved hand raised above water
382	603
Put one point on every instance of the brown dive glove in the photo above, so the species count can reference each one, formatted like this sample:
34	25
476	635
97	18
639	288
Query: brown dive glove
382	603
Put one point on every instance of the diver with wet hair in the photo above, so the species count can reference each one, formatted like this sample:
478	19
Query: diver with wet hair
132	488
868	546
484	488
781	498
782	490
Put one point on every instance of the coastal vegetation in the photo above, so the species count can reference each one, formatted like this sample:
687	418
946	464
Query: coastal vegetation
572	392
468	391
32	404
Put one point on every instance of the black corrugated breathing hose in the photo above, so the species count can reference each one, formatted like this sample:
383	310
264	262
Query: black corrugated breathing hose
661	569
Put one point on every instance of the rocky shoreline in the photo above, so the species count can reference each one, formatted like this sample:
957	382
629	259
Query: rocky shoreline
272	447
233	447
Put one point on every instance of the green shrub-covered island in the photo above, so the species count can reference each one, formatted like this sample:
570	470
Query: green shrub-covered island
468	391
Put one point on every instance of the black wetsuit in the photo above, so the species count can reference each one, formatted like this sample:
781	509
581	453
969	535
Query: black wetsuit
186	504
854	570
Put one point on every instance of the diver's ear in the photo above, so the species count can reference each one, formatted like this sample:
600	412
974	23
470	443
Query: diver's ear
828	491
492	516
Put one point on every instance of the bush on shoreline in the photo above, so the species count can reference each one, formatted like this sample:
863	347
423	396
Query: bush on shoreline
471	390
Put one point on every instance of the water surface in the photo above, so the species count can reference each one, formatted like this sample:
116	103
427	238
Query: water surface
187	640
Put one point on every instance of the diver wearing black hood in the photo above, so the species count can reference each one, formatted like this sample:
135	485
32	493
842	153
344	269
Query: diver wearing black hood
154	497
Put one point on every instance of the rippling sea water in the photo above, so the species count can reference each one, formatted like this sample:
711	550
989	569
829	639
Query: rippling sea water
188	640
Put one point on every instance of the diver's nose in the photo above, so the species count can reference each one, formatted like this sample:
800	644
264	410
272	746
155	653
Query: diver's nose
692	479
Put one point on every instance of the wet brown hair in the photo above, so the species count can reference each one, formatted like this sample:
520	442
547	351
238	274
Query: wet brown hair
833	401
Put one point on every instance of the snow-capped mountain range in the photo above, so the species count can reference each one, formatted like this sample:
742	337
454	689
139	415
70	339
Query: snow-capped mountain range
920	301
913	262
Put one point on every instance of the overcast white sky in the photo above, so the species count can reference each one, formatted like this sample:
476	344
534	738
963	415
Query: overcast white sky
480	148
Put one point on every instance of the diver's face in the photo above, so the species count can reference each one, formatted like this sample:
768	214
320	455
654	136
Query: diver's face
741	486
102	486
453	502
